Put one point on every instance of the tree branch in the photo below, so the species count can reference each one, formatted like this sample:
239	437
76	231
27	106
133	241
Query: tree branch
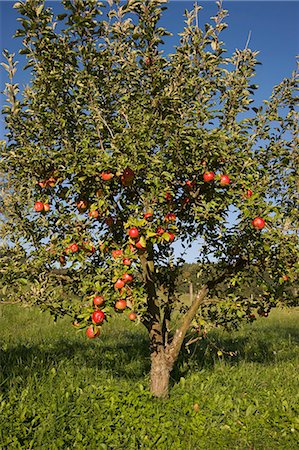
174	348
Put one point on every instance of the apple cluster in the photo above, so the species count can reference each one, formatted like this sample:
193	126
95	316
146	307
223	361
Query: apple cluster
152	228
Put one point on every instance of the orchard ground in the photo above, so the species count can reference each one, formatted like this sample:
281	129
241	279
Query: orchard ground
61	390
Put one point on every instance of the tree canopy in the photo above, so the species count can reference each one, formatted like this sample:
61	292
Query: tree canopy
114	151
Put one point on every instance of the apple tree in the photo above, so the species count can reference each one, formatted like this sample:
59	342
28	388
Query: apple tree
115	151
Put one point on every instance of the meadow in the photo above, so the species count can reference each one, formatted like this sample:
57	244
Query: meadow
59	390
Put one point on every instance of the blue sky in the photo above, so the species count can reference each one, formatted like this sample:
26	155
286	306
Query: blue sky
273	25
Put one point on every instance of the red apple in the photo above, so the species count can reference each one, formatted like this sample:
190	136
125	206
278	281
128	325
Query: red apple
90	332
208	176
94	214
133	233
171	236
38	206
224	180
42	184
285	277
132	316
106	176
168	197
121	304
98	300
258	223
116	253
51	182
139	246
98	317
46	207
148	216
73	248
127	277
126	261
82	205
160	231
249	193
171	217
119	284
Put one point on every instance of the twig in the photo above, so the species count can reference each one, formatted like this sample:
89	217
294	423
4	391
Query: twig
248	40
196	14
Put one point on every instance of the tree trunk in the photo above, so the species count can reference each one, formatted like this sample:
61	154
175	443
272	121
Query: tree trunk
164	356
160	373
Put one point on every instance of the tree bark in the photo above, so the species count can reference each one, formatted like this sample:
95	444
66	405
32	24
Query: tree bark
160	374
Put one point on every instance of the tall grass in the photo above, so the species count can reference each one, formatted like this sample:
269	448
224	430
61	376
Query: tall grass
61	391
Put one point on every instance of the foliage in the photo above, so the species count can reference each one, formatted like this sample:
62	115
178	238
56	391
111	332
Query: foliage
111	135
57	391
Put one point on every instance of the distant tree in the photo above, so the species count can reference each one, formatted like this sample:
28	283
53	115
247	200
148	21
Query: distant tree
115	150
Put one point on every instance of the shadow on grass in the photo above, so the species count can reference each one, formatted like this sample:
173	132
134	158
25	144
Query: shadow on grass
126	355
126	358
266	346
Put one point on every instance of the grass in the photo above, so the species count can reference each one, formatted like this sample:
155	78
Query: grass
61	391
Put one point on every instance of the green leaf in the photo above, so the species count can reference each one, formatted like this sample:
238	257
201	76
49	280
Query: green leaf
142	241
39	9
250	410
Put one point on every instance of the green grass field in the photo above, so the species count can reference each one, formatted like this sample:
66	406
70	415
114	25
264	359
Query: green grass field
61	391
